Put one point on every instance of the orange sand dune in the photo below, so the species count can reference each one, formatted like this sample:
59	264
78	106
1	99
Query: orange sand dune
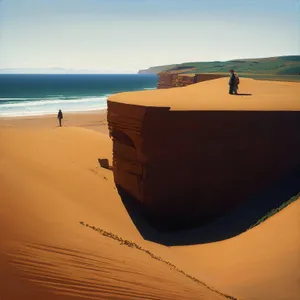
213	95
50	180
262	263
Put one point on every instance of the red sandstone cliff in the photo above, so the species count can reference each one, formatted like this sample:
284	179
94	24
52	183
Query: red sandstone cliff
169	79
190	166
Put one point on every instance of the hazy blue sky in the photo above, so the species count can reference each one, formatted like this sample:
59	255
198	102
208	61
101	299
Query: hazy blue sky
127	35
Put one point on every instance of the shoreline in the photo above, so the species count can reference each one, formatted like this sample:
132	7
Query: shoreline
94	120
96	111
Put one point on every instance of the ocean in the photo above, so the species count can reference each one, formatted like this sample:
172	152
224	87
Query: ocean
36	95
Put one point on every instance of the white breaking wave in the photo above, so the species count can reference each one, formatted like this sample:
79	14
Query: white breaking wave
50	101
16	99
43	113
47	106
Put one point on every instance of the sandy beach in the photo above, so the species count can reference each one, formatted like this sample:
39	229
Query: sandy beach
95	120
65	233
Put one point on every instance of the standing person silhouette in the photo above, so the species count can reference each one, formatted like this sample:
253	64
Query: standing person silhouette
231	82
60	117
236	83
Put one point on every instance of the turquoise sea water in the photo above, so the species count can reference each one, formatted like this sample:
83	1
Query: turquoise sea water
33	95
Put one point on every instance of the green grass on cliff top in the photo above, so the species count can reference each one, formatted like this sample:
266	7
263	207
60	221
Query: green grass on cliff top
273	66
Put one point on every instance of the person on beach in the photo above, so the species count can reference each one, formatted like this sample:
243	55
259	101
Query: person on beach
60	117
236	83
231	82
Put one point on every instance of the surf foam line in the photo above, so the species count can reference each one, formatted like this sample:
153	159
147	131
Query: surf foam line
45	101
131	244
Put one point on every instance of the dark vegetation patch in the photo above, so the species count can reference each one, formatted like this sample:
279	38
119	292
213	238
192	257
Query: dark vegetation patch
276	210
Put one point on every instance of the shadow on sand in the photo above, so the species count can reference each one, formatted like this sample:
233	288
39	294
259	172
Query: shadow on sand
241	94
104	163
233	223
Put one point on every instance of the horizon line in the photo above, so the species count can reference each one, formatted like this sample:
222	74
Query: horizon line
13	73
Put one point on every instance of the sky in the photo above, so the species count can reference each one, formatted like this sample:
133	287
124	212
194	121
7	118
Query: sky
123	36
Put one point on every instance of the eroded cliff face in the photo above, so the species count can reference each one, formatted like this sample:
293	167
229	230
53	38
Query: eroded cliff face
188	167
169	80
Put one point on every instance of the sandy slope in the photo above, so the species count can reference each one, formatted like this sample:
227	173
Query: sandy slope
262	263
50	180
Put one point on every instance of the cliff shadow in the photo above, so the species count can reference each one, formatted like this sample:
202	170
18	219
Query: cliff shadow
235	222
142	221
